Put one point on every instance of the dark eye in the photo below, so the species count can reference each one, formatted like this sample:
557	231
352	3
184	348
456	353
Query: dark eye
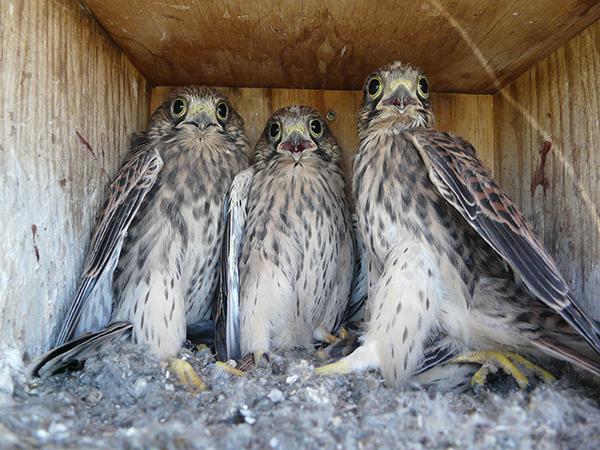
178	107
316	128
423	87
222	111
374	87
274	130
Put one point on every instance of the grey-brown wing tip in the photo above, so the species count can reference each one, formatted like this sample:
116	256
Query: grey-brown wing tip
73	354
359	286
227	320
129	188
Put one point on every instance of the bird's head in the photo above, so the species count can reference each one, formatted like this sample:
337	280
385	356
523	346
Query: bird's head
396	95
196	113
297	134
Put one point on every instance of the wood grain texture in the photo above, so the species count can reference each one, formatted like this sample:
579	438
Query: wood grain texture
470	116
558	100
332	44
68	99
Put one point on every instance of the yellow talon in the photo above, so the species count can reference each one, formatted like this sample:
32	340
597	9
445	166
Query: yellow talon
330	339
480	376
539	372
338	367
493	359
322	335
333	339
343	334
186	375
508	362
232	370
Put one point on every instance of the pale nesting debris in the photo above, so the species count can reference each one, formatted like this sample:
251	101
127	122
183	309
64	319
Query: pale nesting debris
98	408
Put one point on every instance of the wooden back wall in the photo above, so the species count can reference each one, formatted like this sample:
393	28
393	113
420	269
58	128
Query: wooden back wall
468	115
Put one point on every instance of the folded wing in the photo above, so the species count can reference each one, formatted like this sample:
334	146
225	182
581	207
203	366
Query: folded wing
227	308
92	306
358	292
461	179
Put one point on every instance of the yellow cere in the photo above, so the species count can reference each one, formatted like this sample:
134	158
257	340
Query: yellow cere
401	82
296	127
201	107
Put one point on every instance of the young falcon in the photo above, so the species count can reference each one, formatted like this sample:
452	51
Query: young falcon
297	255
450	255
153	262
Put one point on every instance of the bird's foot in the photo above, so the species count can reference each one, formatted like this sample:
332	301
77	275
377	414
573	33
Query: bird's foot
511	363
321	335
343	334
339	367
230	369
536	370
343	347
363	358
254	359
186	375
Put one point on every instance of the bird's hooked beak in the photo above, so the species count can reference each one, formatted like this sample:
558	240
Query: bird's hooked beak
202	116
401	96
296	141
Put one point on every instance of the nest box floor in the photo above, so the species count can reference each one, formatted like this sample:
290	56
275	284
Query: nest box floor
125	400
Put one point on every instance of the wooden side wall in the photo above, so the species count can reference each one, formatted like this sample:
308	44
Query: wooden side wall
558	100
471	116
68	100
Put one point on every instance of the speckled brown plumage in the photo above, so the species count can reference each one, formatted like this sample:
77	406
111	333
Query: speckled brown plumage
297	257
154	256
450	256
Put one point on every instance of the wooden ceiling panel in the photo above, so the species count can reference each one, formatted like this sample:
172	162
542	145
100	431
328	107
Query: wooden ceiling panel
464	45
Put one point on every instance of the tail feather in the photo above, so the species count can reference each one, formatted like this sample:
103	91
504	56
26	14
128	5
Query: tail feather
436	354
75	352
447	377
553	347
587	327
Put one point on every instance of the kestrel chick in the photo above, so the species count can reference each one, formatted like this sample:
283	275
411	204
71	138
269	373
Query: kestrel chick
153	263
450	256
297	255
